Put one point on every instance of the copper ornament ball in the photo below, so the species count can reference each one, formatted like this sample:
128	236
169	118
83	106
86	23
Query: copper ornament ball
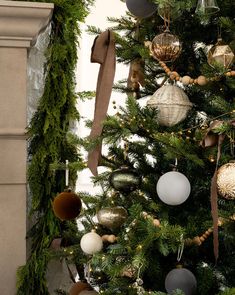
78	287
113	217
166	47
67	205
226	181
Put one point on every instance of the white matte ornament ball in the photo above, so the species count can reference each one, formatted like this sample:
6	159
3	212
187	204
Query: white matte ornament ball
91	243
173	188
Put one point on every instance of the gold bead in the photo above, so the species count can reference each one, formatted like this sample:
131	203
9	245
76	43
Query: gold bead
191	81
202	81
185	80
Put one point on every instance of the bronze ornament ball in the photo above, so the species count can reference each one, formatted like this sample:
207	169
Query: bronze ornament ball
226	181
181	278
125	180
141	8
166	47
113	217
78	287
67	205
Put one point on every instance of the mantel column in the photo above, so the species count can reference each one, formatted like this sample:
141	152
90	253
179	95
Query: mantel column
20	24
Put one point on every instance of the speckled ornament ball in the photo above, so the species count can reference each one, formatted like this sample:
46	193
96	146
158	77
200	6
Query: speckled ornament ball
141	8
67	205
181	278
226	181
125	180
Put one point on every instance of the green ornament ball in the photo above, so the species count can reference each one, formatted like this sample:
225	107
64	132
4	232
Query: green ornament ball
125	180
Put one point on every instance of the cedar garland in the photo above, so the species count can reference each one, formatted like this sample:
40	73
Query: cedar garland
48	140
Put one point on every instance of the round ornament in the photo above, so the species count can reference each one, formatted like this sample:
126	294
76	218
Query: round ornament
112	218
220	54
125	180
67	205
172	103
226	181
93	292
173	188
141	8
79	287
181	278
91	243
166	47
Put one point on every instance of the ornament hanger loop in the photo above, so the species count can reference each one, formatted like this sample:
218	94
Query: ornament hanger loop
180	248
66	173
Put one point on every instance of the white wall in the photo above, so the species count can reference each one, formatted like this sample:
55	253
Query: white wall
87	72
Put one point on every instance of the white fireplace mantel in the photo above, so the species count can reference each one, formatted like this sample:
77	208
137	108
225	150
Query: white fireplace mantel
21	22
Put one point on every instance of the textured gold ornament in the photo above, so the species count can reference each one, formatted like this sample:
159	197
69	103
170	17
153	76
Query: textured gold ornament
113	217
226	181
220	54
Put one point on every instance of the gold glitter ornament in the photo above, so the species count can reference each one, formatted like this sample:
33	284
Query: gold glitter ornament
166	47
220	54
226	181
112	217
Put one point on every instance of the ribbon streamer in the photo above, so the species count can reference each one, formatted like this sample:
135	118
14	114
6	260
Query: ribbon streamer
214	199
102	52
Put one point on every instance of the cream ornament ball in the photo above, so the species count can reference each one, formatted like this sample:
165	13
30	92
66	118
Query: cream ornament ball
91	243
173	188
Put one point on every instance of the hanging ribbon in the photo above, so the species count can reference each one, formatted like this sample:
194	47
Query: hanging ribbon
102	52
214	199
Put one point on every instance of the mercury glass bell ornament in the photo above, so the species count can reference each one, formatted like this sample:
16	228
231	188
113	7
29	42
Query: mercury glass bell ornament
207	7
220	54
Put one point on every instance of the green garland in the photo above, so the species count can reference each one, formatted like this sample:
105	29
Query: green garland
48	140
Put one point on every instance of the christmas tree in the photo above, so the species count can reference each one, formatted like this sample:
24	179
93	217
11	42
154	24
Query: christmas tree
164	222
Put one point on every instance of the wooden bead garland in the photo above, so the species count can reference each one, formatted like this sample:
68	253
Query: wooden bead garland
187	80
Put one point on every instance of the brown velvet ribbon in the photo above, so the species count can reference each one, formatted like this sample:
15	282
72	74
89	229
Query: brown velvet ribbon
214	200
211	139
103	52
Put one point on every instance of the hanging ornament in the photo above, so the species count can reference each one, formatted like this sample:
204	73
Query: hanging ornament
125	180
91	243
220	54
226	181
181	278
79	287
112	218
165	47
207	7
173	105
141	8
85	292
67	205
173	188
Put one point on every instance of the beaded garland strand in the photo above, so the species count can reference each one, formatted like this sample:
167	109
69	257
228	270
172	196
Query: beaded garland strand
186	80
